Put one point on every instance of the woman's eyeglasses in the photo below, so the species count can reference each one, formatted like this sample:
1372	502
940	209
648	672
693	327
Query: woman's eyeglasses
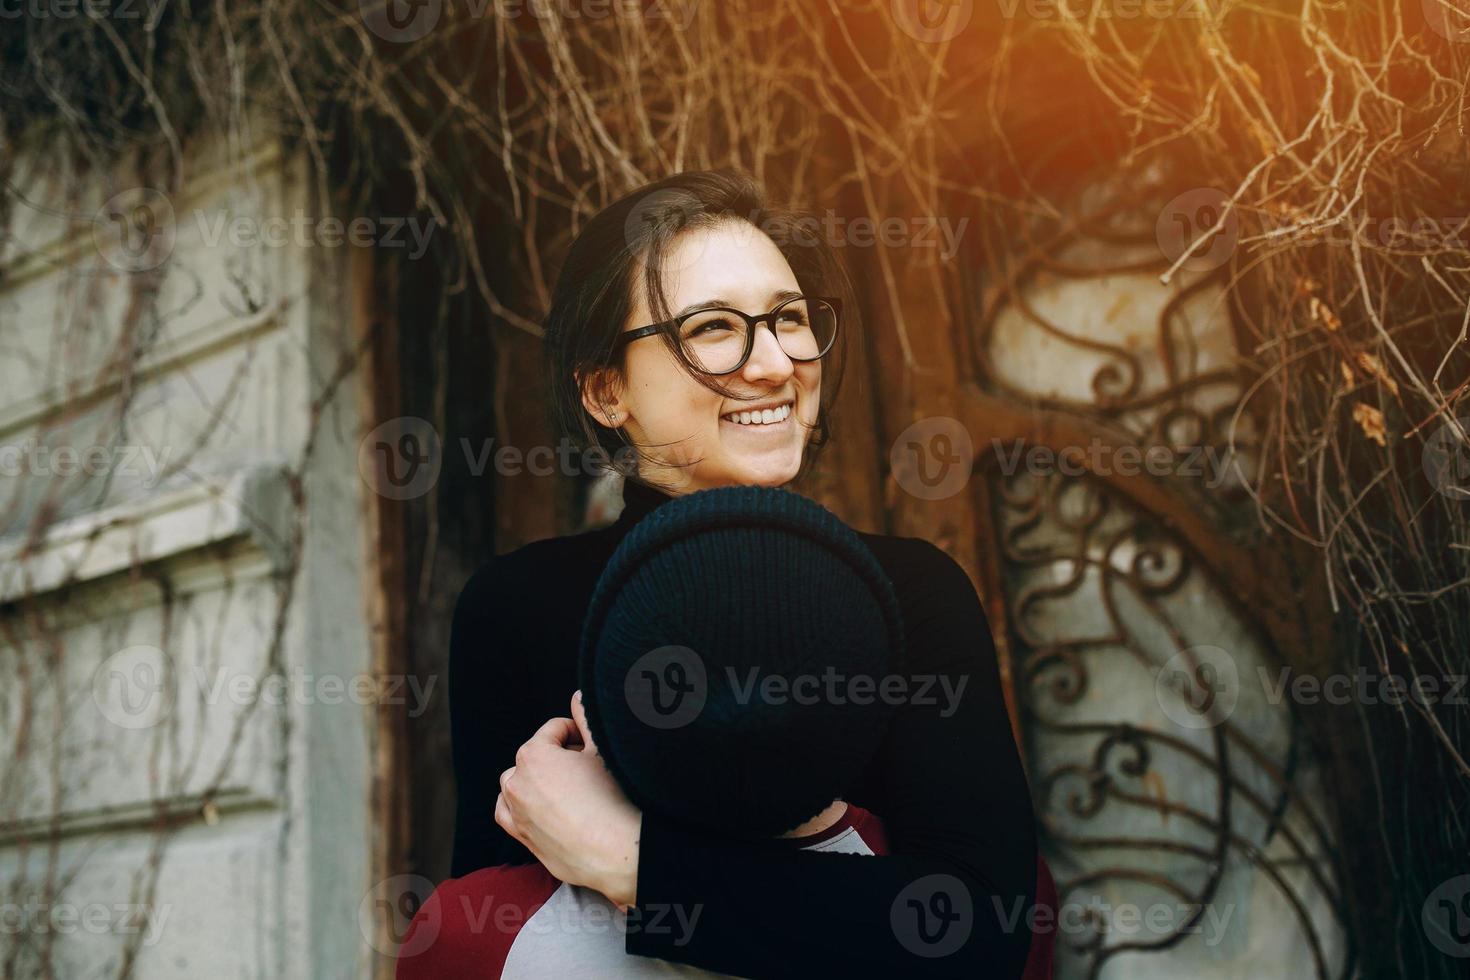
718	340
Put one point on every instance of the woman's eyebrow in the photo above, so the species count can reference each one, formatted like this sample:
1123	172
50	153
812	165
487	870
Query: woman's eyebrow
776	298
705	304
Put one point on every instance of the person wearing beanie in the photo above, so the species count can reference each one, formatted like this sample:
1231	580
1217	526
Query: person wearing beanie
719	715
719	655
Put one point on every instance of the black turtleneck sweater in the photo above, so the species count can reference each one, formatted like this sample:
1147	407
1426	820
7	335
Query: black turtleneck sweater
947	782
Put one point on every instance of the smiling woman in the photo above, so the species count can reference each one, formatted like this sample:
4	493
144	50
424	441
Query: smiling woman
689	323
701	250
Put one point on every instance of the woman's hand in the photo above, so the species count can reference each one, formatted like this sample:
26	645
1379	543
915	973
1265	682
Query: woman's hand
560	801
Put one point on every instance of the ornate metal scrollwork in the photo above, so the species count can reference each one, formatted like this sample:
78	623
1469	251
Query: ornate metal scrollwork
1166	775
1136	806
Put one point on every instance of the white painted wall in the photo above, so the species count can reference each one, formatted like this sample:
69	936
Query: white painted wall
138	628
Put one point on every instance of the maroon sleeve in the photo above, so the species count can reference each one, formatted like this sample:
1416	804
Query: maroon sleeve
467	927
1040	961
870	828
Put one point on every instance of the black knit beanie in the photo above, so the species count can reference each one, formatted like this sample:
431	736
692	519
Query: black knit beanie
733	657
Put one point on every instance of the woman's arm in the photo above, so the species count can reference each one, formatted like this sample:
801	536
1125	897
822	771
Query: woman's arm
952	899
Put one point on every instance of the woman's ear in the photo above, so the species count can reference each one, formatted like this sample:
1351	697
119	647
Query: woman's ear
600	388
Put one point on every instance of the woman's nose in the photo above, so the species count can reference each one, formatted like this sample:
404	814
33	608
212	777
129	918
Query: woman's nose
768	362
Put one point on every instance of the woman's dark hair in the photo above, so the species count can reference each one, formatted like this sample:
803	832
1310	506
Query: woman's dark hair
594	292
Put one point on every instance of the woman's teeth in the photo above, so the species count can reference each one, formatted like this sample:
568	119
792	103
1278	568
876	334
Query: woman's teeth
765	416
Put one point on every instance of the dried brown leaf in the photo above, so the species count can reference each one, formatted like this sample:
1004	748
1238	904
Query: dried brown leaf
1323	314
1374	366
1370	420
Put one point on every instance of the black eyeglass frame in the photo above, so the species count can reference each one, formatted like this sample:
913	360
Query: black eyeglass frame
752	324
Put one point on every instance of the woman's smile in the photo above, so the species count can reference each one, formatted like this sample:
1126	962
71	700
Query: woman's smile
764	416
764	436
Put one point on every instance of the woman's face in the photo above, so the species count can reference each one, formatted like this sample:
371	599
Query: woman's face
687	437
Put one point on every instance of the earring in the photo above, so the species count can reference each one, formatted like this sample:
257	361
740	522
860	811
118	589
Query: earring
612	417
